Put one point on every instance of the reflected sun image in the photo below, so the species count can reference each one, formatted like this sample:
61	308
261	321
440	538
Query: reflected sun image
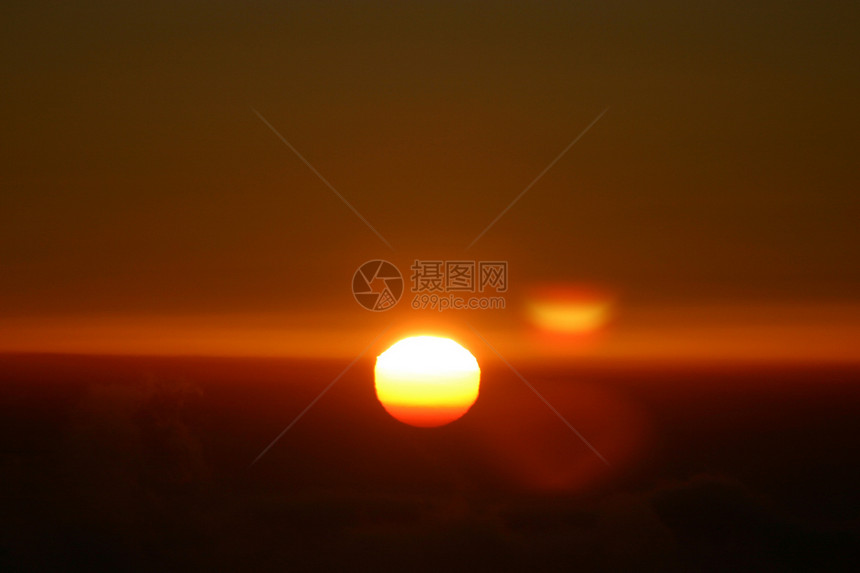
563	310
427	381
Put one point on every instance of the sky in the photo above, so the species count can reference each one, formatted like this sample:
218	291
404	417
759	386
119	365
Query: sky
146	208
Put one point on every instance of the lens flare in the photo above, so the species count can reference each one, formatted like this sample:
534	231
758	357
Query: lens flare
427	381
569	310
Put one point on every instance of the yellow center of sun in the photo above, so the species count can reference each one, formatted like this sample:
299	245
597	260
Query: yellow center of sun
427	381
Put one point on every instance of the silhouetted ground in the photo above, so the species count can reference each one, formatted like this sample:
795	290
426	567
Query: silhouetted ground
137	463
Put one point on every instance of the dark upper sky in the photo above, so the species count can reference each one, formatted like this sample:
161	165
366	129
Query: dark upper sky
137	179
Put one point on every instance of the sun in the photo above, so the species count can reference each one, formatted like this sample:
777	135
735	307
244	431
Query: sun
427	381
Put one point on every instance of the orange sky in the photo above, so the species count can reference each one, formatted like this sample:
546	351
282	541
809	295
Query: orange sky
762	333
146	208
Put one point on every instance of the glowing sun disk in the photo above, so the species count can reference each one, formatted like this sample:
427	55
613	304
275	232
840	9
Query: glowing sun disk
427	380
